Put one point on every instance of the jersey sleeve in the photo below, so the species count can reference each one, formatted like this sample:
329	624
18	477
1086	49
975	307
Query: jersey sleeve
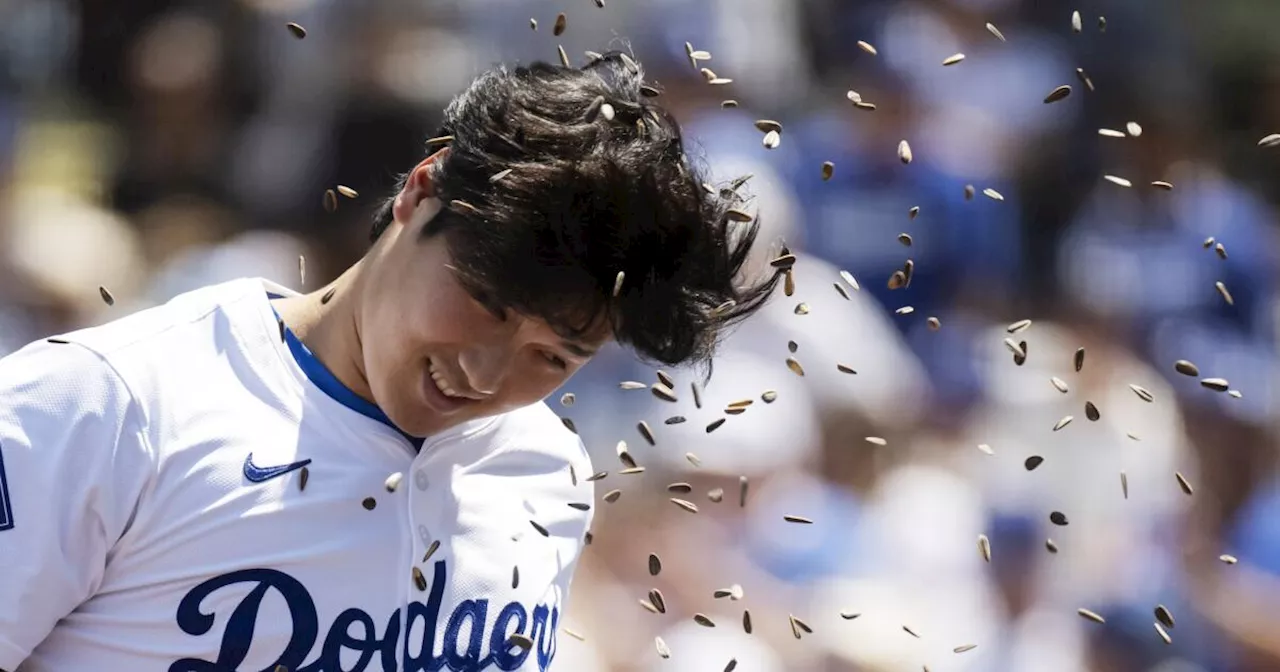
73	459
521	522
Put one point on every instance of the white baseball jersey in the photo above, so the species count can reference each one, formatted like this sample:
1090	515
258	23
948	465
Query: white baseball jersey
188	489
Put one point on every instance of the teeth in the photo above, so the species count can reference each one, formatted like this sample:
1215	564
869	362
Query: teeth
441	383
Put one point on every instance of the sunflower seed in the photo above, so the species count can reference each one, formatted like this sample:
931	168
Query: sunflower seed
1058	518
702	619
742	491
521	641
679	487
866	46
646	432
1163	635
1117	180
439	140
911	632
624	455
1014	348
797	519
393	481
908	270
720	81
328	295
419	580
630	470
986	449
564	57
1020	325
1164	616
861	105
597	476
1079	360
732	665
431	550
1091	411
828	169
1058	94
580	506
1066	420
650	91
1161	184
1133	436
1226	295
1075	22
848	278
904	152
1222	251
663	392
1032	462
1142	392
1110	133
715	424
723	308
664	651
1183	483
993	194
802	309
674	420
772	139
1186	368
905	310
1216	384
934	323
1133	128
369	503
697	394
567	399
968	192
849	614
795	367
797	625
1229	559
541	530
984	547
459	204
727	104
996	32
649	606
612	496
515	577
297	30
686	505
1234	394
897	280
1059	384
953	59
1050	546
1270	140
304	475
963	648
347	192
1102	24
766	125
1084	79
107	298
693	459
716	495
905	239
658	601
701	55
1091	615
841	290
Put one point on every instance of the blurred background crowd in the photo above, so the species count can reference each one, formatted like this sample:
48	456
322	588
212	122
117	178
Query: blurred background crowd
153	146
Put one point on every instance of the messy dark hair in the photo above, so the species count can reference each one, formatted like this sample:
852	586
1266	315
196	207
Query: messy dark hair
557	179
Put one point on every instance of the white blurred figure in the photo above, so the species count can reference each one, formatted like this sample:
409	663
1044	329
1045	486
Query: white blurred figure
695	648
268	254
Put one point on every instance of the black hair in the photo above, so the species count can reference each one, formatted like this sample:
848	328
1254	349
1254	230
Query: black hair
559	178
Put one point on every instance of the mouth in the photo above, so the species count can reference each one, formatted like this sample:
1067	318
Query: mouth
442	392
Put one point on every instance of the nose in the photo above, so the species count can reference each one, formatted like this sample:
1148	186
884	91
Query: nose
486	365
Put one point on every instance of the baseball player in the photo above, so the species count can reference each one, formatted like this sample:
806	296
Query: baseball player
365	478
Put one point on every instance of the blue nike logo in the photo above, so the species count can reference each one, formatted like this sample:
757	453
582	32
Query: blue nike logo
258	474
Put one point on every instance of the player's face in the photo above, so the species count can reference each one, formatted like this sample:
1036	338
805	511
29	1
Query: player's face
434	355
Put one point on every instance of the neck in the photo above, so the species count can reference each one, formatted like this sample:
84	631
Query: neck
330	329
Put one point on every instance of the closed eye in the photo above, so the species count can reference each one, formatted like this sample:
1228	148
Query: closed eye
555	360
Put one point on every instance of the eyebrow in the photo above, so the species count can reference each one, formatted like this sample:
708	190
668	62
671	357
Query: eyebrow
577	350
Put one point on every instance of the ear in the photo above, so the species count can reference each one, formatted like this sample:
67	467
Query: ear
418	189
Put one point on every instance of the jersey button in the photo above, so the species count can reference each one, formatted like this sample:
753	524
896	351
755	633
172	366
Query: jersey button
420	479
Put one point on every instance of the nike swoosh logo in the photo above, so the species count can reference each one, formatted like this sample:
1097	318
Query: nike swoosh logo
257	474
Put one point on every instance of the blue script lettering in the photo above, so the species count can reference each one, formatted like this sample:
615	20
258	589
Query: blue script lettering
462	642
